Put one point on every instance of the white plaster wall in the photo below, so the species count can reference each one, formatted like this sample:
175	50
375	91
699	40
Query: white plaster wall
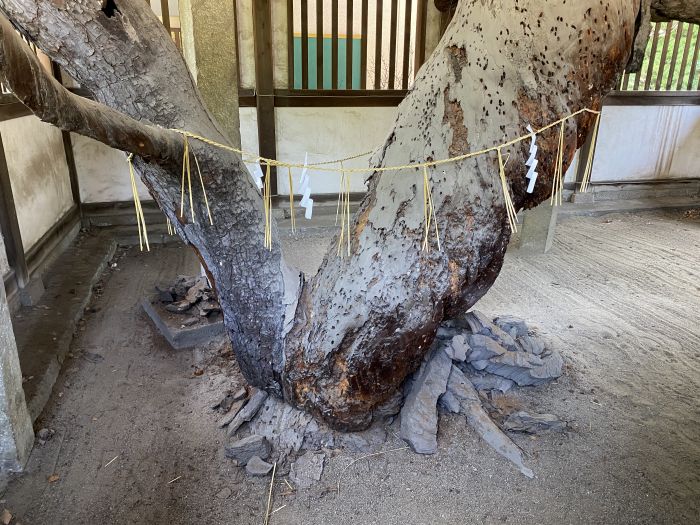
326	134
38	174
648	142
103	173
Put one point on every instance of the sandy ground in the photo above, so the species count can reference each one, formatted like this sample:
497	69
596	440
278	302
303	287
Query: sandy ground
620	295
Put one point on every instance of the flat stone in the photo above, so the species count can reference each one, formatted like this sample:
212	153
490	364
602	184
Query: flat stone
479	323
247	412
525	369
513	326
307	470
483	347
195	292
189	321
534	423
458	348
258	467
178	307
491	382
233	410
531	345
164	296
244	449
419	416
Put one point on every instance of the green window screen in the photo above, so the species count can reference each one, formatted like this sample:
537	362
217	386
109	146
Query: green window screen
327	63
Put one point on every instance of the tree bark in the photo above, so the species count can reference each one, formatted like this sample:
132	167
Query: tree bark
341	344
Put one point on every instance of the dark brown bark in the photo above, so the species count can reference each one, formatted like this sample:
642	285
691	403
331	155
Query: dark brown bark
683	10
363	322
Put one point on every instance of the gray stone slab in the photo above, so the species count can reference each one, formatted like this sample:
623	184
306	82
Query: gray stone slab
419	417
247	412
172	326
533	423
258	467
243	450
307	470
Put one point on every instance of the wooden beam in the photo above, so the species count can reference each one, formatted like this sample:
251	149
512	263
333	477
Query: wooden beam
10	225
334	44
264	83
363	45
165	14
348	45
378	45
338	98
421	32
406	44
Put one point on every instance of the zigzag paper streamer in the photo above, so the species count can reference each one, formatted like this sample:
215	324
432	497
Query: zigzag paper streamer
532	161
257	174
306	201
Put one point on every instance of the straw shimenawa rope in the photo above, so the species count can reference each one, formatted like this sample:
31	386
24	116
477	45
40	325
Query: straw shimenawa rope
344	194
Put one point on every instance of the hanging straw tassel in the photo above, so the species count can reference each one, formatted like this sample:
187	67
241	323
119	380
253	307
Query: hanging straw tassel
204	191
343	209
186	170
558	180
267	201
140	221
170	227
291	200
589	161
428	213
510	208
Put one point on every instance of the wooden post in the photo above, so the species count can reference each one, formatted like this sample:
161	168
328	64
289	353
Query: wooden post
10	225
264	84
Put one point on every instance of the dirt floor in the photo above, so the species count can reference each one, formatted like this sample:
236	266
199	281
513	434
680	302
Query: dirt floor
620	295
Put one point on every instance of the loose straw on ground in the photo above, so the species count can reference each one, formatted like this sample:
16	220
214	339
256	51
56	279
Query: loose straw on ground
269	495
340	477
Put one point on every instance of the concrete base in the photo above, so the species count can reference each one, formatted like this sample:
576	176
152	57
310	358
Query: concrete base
537	229
32	292
178	335
16	434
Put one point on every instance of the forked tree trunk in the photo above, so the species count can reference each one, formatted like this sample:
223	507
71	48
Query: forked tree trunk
342	343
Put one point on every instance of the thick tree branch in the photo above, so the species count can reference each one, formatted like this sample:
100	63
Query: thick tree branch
53	103
681	10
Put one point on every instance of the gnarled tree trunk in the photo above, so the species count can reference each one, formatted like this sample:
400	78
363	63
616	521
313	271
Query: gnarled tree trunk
342	343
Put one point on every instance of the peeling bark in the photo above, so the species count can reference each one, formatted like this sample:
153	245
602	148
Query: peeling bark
342	343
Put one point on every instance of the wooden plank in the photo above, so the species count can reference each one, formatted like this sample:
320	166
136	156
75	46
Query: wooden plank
10	224
392	44
290	44
378	45
686	51
165	14
692	80
363	44
264	84
334	44
624	85
319	44
421	31
664	52
304	44
674	55
338	98
652	55
348	45
406	44
652	98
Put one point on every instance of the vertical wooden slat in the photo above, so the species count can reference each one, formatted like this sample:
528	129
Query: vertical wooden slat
652	56
363	45
378	45
348	45
304	44
10	224
406	44
694	64
264	83
290	44
319	44
625	82
684	60
421	28
664	52
334	44
165	13
392	43
674	56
